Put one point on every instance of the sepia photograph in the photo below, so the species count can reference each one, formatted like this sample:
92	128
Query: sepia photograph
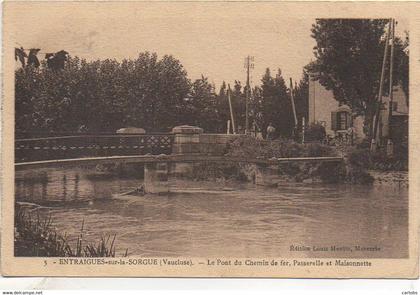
153	136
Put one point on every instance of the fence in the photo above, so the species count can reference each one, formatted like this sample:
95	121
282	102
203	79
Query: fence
80	146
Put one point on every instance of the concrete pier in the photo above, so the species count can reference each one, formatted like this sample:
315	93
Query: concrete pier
156	176
187	141
266	175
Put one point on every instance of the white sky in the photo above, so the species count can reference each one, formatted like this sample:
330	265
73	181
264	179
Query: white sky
207	40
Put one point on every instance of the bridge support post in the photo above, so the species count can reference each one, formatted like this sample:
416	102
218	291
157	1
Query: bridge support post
156	178
266	175
187	141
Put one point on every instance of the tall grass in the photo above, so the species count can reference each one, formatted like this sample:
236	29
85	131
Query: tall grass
34	236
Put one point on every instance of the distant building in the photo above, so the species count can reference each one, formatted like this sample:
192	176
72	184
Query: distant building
397	127
336	118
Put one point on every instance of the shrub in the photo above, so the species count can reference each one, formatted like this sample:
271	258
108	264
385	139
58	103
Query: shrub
217	171
353	170
250	147
331	172
319	150
359	158
315	132
379	161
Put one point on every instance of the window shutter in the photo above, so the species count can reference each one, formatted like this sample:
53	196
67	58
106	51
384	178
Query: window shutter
334	121
349	119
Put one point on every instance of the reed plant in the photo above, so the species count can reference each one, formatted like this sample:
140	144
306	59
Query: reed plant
35	236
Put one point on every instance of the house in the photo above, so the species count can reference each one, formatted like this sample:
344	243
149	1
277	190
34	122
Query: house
397	127
337	118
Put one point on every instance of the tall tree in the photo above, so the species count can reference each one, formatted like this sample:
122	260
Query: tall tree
238	105
301	95
349	55
222	108
103	95
203	105
276	105
256	109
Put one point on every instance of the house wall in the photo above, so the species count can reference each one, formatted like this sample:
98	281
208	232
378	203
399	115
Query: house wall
322	104
402	109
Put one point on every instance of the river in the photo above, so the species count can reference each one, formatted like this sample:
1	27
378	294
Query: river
213	219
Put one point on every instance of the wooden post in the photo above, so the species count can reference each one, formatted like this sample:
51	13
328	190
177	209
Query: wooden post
231	110
247	95
373	145
303	130
381	85
293	102
293	109
390	149
228	127
391	69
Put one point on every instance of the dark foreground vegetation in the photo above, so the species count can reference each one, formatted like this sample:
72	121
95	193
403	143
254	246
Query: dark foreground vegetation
35	236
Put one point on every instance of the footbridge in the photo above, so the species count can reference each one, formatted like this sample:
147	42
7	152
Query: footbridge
160	153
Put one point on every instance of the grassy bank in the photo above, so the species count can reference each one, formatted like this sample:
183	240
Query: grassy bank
35	236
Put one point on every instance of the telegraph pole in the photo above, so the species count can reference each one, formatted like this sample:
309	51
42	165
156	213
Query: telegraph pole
391	69
231	110
292	100
381	84
249	64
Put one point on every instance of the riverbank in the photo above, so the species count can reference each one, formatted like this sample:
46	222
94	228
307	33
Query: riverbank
394	178
351	170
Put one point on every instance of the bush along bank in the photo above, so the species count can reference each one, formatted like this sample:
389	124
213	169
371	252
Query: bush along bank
382	168
351	170
35	236
380	161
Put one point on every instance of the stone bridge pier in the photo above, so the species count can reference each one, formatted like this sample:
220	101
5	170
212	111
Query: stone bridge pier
188	140
156	175
266	175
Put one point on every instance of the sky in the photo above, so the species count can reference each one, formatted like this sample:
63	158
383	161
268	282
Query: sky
208	40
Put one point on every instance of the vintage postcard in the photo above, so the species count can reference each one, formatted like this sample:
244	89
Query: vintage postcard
210	139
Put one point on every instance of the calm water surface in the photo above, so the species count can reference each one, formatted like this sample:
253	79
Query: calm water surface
213	219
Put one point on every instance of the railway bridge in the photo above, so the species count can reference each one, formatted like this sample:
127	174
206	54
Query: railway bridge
160	153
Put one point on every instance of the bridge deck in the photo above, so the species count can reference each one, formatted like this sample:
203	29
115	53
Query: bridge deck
165	158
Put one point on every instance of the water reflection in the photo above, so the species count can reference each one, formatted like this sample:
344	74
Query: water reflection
202	219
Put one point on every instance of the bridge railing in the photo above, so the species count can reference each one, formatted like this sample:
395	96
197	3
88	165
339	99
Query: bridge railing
79	146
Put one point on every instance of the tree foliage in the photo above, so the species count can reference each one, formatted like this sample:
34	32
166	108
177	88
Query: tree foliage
103	95
349	55
276	107
147	92
301	95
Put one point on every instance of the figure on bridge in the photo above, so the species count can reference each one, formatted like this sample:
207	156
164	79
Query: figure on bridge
270	131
